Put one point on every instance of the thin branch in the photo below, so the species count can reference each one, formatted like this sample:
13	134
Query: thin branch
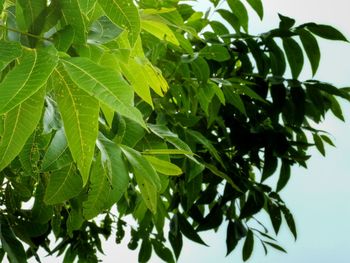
25	33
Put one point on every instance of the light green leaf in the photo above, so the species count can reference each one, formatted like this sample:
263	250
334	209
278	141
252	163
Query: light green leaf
19	124
105	84
27	77
166	152
63	184
79	113
159	30
146	177
164	167
115	166
124	14
9	51
72	15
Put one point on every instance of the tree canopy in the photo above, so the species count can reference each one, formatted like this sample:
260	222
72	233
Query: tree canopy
168	116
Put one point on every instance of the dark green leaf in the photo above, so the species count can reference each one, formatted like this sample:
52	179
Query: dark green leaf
326	31
275	246
294	55
248	246
10	243
284	175
319	144
257	6
311	48
145	251
188	230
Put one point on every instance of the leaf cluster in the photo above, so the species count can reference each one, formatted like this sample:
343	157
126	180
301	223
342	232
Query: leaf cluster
155	111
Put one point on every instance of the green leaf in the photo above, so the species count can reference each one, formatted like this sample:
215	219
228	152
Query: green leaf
116	169
164	167
257	6
27	77
163	252
63	184
188	230
234	99
100	190
159	30
64	38
19	124
290	221
146	177
79	113
278	61
105	84
327	140
33	10
275	216
56	156
275	246
294	55
240	11
216	52
145	251
286	22
12	246
248	246
9	51
311	48
284	175
125	15
326	31
72	15
319	144
198	137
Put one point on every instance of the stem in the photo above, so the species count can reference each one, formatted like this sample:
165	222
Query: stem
25	33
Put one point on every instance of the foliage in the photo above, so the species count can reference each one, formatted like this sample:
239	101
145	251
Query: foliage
155	109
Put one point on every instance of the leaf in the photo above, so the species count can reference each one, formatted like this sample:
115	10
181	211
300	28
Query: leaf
216	52
116	169
294	55
164	167
103	31
72	15
33	10
188	230
105	84
319	144
146	177
275	246
278	61
253	205
63	184
163	252
327	140
79	113
290	221
217	172
311	48
100	190
125	15
12	246
198	137
160	31
248	246
56	156
64	38
9	51
275	216
257	6
234	99
165	152
284	175
145	252
240	11
19	124
27	77
326	31
286	22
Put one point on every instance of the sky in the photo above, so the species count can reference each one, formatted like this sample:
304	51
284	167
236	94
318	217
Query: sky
318	197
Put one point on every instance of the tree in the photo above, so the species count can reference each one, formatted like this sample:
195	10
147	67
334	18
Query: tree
155	109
